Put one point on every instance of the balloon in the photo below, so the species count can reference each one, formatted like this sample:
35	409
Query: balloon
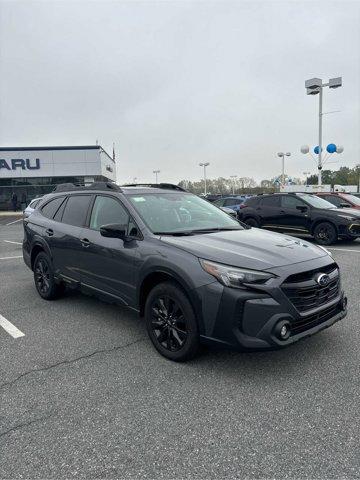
339	149
331	148
316	150
305	149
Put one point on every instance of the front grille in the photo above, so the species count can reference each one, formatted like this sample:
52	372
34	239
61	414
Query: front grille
306	294
314	320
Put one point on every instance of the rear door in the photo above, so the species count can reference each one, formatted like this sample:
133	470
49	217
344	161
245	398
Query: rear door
107	264
68	224
269	211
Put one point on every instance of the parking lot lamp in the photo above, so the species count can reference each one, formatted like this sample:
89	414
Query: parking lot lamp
233	183
204	165
315	86
156	175
282	155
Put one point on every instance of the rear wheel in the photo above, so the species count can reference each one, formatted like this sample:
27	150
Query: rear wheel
171	322
45	283
252	222
325	233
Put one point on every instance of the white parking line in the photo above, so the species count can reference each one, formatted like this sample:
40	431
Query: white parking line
10	241
343	249
10	328
15	221
9	258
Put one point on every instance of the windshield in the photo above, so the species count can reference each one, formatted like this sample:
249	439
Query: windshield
317	202
352	199
170	213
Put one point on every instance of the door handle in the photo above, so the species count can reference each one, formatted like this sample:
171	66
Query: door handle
49	232
282	211
85	242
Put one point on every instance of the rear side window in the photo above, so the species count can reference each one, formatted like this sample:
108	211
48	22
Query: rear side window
273	201
76	210
51	207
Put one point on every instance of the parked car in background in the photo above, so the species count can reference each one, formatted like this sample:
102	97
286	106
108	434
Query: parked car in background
301	213
192	271
31	207
340	199
229	211
230	202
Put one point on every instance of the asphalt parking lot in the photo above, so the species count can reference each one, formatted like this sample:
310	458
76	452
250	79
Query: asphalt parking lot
84	394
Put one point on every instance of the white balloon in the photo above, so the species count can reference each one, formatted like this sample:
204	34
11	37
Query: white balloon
339	148
305	149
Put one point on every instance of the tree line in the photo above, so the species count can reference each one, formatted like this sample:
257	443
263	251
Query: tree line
240	185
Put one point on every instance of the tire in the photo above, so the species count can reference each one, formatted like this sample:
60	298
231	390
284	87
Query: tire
44	280
171	323
252	222
325	233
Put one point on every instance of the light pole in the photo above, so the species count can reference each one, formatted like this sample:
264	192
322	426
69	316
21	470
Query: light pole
204	165
306	175
282	156
315	86
233	182
156	175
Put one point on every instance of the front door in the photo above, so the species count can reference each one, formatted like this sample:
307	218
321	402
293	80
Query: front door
294	214
107	264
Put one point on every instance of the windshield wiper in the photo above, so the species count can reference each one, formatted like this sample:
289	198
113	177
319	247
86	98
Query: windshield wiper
197	231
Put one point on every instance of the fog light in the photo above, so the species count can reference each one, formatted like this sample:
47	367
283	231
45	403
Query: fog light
282	330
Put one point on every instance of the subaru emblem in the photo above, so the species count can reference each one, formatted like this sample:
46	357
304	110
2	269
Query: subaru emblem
322	279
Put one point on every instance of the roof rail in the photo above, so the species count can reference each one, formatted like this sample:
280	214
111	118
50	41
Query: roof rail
68	187
165	186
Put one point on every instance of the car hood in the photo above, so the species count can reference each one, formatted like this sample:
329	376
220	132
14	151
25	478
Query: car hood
349	212
251	248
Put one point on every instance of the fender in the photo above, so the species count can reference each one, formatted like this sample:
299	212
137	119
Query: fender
40	242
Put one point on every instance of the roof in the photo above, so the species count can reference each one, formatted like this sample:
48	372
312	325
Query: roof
65	147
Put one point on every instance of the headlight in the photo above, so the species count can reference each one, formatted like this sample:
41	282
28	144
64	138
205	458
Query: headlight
235	277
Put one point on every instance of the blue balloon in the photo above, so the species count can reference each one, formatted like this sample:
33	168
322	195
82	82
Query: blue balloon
331	148
316	150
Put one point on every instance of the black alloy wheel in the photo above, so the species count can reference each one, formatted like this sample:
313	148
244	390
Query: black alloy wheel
171	322
168	323
44	278
252	222
325	233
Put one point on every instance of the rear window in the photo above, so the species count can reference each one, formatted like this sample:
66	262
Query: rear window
50	208
76	210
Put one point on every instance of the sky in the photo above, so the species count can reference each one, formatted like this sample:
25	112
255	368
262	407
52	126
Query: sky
176	83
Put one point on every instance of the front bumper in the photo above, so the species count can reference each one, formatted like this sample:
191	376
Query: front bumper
248	319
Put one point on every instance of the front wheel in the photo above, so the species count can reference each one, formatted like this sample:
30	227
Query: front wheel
171	322
45	283
325	233
252	222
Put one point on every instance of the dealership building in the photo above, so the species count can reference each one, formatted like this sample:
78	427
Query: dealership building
34	171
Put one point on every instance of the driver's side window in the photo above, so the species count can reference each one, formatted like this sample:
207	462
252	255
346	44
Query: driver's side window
289	201
107	210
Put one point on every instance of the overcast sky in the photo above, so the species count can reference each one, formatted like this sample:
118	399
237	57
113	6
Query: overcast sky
178	83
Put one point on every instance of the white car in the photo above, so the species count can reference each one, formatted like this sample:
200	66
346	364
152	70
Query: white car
31	207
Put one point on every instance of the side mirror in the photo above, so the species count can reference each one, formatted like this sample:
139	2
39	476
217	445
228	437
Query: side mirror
114	230
302	208
345	205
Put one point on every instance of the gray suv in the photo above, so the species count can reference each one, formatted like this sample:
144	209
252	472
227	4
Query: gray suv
194	273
